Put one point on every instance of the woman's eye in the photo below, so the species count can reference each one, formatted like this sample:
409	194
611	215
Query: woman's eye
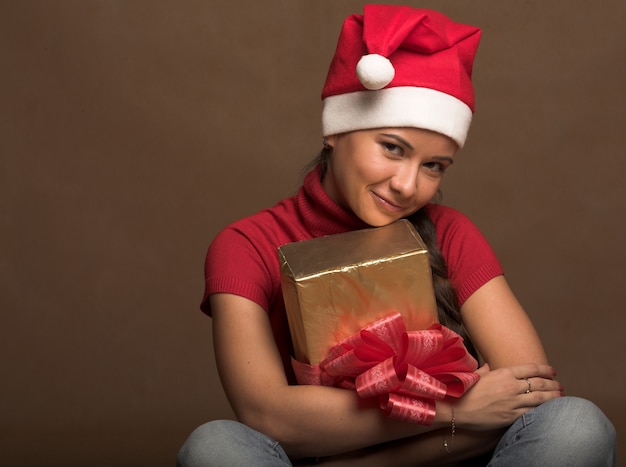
393	148
435	166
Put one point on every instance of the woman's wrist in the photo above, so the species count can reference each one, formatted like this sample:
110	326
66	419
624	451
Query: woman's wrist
448	442
443	415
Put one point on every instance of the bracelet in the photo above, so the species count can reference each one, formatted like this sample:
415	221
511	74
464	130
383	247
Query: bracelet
446	446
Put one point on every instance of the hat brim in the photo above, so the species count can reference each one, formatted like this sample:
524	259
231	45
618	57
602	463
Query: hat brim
408	106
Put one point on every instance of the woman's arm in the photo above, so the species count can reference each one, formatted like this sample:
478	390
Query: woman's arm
312	421
516	361
308	421
500	328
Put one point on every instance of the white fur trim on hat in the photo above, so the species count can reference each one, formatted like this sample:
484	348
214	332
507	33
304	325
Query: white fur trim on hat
397	107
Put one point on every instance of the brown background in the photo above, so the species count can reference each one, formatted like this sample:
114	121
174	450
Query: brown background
132	131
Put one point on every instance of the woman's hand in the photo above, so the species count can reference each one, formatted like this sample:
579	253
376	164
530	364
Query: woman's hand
503	395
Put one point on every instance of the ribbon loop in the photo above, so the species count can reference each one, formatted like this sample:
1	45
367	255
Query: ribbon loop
406	370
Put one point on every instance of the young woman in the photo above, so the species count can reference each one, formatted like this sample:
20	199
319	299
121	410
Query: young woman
398	101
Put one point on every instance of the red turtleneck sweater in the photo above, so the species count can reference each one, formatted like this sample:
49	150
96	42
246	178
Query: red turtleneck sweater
243	258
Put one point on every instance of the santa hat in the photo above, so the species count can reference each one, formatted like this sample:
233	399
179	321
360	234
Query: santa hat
397	66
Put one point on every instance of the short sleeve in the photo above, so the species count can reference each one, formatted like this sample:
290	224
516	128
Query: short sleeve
470	259
235	265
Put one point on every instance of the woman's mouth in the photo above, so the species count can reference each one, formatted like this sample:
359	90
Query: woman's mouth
386	204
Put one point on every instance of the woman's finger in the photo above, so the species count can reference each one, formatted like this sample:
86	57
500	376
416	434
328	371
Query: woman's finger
540	384
532	370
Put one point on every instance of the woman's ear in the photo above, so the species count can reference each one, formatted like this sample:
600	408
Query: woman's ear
329	142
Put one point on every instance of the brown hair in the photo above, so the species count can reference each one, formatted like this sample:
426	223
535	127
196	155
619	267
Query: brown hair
448	309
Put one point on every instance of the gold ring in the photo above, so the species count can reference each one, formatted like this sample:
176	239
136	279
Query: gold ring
529	387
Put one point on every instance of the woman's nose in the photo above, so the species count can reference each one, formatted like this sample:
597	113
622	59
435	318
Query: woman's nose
404	181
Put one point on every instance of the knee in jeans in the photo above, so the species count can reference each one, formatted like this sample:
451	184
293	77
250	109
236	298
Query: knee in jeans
599	427
583	426
203	441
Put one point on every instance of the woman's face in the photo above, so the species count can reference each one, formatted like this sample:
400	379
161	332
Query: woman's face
385	174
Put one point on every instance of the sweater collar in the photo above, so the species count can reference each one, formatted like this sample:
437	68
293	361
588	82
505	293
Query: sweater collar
320	214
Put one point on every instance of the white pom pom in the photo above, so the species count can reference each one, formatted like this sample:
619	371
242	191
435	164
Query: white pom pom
375	71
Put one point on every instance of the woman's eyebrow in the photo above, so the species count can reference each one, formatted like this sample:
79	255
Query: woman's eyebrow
448	159
399	139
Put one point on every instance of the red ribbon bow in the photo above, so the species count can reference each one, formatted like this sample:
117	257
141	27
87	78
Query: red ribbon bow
406	370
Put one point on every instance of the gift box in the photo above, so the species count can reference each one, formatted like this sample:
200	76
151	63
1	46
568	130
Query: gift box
363	316
336	285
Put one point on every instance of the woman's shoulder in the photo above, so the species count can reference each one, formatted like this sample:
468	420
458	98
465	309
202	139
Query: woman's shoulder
446	216
469	257
268	228
452	225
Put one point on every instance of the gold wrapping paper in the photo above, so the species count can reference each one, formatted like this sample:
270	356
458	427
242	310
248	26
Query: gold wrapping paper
334	286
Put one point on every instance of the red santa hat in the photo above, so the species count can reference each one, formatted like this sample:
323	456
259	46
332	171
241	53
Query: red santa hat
397	66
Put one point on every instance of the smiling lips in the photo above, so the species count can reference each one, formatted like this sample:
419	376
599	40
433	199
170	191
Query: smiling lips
386	204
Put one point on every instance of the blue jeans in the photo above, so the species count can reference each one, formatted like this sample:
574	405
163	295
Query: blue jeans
566	431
